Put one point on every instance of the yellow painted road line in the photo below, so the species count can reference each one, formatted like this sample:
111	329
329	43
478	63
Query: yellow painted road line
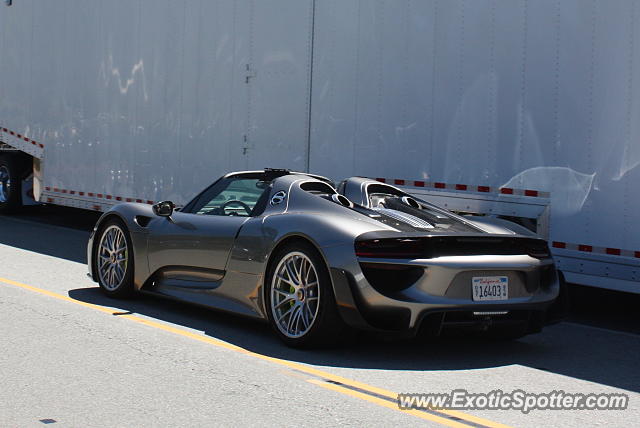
388	404
338	383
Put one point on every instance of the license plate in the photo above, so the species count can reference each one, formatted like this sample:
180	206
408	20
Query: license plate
490	288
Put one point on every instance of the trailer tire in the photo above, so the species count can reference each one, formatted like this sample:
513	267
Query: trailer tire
13	168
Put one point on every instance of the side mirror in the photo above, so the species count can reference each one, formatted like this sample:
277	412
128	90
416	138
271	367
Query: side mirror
164	208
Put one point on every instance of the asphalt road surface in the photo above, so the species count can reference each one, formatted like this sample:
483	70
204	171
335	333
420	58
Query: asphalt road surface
71	357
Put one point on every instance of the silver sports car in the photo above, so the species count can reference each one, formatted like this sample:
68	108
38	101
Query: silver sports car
313	260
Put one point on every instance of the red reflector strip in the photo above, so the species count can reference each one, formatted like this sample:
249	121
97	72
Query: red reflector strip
22	137
557	244
587	248
465	187
92	195
613	251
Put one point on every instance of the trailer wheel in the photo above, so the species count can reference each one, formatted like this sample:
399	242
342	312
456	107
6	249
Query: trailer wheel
12	169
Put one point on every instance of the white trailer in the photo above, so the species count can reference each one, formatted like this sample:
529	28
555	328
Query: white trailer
525	109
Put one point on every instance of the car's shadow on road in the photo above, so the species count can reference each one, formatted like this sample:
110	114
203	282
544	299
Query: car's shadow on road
604	357
595	355
54	231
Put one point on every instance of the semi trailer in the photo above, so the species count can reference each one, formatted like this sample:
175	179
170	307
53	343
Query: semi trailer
526	110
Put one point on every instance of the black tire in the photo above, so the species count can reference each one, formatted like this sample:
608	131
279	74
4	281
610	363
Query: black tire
327	326
13	168
123	288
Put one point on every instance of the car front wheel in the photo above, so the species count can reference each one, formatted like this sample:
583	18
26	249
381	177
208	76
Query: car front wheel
114	260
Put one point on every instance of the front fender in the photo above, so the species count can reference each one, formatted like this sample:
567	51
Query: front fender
126	213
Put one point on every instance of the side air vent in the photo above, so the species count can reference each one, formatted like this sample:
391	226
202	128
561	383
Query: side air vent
143	221
342	200
407	200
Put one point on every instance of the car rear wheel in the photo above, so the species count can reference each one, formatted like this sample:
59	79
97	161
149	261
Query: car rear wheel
113	261
301	305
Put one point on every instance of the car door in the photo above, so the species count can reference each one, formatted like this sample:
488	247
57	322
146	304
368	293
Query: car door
190	249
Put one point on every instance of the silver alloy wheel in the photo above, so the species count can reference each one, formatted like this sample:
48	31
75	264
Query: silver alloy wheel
5	184
113	256
295	295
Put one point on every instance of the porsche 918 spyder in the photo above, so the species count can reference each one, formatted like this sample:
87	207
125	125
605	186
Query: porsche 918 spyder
291	249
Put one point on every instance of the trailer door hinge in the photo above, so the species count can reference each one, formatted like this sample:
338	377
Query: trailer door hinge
250	73
246	145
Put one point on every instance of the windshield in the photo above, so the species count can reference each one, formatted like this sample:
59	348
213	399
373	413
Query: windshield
231	197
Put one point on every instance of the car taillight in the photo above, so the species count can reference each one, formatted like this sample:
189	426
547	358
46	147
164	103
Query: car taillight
390	248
